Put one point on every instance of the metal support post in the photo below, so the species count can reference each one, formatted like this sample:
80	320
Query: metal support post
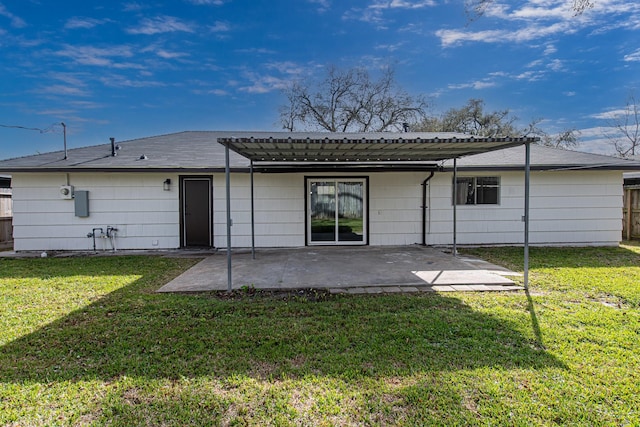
527	178
228	187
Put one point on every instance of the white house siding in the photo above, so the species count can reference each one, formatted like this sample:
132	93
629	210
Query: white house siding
395	208
134	203
279	200
570	208
279	209
566	208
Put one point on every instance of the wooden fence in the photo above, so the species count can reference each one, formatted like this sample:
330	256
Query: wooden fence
631	213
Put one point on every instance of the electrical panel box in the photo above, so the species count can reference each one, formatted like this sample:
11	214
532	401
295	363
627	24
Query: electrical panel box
81	198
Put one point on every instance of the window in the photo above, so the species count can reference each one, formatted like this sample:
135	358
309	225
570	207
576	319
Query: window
481	190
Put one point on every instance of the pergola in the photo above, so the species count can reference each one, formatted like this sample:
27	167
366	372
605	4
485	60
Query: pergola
280	151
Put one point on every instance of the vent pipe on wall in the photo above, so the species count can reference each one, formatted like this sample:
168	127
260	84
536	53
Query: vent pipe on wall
113	147
425	183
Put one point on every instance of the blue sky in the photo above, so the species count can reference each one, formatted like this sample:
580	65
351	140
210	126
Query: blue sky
129	69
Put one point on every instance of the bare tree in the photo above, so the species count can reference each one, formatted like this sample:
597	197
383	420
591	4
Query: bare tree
471	119
625	135
350	101
565	139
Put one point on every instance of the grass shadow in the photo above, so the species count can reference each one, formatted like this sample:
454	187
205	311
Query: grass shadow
134	332
535	325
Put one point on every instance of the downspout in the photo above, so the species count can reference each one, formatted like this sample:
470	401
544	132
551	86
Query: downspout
425	207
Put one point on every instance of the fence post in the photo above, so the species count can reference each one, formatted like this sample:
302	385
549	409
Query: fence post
629	213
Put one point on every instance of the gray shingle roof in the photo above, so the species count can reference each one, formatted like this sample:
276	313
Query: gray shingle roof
195	151
542	158
180	151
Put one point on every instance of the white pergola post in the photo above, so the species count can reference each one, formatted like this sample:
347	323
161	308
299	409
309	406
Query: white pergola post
228	187
253	216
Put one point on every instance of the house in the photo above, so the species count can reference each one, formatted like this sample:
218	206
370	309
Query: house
292	190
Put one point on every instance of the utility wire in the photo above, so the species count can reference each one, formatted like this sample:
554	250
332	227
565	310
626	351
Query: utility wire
51	128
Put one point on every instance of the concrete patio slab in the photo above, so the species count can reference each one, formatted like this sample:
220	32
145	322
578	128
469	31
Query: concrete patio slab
350	270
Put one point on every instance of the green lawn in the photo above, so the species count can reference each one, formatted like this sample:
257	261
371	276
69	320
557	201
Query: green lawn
86	341
344	224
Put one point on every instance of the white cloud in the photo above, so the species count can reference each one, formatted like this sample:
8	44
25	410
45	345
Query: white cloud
539	19
633	57
597	140
610	115
100	57
450	38
556	65
218	92
134	7
477	85
499	74
84	23
208	2
86	104
530	76
16	21
220	27
323	5
165	54
161	24
260	84
64	90
389	47
560	11
287	67
401	4
55	112
456	37
72	79
373	13
122	81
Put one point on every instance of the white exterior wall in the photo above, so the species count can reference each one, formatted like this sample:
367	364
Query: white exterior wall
567	208
395	213
279	208
279	199
134	203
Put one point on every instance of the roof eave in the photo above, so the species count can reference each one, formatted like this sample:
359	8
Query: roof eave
547	168
125	169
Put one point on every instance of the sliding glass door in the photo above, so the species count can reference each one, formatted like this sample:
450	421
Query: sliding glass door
336	211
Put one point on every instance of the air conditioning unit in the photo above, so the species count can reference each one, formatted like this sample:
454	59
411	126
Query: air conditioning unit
66	192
